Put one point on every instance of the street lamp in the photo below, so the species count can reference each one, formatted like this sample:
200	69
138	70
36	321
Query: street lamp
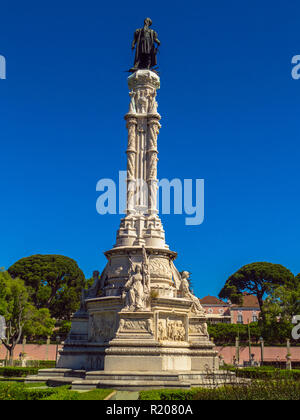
262	346
57	344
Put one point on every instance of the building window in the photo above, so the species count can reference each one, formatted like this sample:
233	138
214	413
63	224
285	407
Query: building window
240	319
254	318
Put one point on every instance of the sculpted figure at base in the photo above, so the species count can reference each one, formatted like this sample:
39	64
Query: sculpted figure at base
186	293
134	292
171	331
199	329
89	293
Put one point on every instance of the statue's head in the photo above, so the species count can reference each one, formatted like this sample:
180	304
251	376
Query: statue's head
148	22
185	274
138	268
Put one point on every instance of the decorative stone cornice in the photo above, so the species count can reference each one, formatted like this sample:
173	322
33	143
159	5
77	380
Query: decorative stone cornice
142	78
137	250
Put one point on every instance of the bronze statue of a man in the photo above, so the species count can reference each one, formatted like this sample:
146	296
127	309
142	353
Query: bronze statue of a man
146	51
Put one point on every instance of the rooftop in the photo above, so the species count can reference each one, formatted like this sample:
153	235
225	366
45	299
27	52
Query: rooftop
212	300
249	301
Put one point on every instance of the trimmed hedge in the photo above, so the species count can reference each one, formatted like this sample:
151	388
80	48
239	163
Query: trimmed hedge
46	364
168	394
17	372
41	364
258	390
20	392
15	391
265	373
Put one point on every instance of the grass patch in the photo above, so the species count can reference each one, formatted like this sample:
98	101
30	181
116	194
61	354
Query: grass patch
95	395
257	390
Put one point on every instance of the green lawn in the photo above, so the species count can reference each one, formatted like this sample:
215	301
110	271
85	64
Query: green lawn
17	391
95	394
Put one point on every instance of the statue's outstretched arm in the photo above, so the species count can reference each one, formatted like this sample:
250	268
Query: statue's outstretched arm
156	39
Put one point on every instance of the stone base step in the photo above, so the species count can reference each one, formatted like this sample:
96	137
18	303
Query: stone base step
134	385
51	380
54	372
130	376
159	376
62	373
133	381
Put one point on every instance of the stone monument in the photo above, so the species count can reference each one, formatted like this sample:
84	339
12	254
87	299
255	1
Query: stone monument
140	321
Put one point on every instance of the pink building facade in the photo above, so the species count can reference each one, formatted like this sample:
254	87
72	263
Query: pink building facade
271	354
219	311
32	351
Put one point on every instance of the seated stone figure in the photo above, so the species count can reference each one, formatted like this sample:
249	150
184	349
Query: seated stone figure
185	292
134	293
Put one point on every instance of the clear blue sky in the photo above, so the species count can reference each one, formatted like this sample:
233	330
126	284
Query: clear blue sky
230	115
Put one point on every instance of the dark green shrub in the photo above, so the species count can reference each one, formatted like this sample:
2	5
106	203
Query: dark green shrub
258	390
168	394
22	392
17	372
46	364
63	395
266	373
16	392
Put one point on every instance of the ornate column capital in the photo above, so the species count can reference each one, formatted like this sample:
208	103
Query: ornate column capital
144	78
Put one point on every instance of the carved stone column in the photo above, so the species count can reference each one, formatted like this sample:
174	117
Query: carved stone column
131	164
152	159
142	226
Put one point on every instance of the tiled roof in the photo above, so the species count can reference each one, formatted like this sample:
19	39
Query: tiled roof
249	301
212	300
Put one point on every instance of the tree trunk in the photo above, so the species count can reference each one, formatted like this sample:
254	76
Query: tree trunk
261	304
11	356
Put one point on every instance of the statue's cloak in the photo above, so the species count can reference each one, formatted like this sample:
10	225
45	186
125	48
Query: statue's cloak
138	51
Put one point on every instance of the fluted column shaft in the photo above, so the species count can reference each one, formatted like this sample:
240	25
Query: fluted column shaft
142	226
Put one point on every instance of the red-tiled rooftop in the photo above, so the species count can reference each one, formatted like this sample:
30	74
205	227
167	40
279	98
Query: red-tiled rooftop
212	300
249	301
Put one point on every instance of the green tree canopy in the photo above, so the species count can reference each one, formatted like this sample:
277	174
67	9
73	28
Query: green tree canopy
54	282
224	334
258	279
19	312
280	307
39	323
284	301
4	278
